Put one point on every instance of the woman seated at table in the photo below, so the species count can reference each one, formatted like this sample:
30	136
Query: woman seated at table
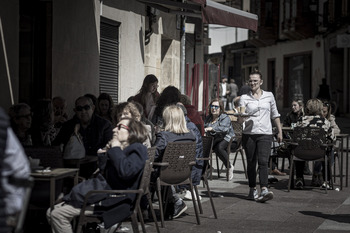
174	130
317	177
126	158
130	110
297	112
313	118
218	124
290	120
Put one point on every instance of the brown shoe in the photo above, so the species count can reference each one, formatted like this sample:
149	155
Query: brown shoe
278	172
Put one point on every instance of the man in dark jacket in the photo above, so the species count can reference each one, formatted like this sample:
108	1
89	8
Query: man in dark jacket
95	131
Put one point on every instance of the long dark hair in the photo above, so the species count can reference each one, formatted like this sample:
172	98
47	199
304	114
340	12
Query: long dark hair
148	80
221	104
170	96
104	96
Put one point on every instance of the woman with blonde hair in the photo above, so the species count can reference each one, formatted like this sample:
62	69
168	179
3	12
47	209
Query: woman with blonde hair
313	118
175	129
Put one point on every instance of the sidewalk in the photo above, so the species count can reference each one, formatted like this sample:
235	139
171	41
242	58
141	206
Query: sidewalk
308	210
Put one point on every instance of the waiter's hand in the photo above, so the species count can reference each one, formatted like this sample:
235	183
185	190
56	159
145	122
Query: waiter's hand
279	137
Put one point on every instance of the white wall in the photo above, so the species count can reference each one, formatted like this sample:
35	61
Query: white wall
223	35
75	56
131	43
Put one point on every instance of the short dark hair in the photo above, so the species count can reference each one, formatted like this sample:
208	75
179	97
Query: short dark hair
256	71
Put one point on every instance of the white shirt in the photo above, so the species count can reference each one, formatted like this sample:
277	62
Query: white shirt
263	110
224	88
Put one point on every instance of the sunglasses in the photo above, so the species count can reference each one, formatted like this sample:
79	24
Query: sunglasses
214	106
80	108
119	126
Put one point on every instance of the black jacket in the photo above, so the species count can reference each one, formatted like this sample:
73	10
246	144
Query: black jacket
95	136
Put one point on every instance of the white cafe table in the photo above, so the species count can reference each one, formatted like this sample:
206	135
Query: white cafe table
52	176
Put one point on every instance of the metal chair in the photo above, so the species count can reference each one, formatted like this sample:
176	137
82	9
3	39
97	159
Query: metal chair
175	169
308	144
144	183
207	150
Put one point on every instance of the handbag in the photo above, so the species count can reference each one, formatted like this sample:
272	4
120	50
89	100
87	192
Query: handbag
75	147
77	194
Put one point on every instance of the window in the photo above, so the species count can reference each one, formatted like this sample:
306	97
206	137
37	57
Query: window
297	78
109	57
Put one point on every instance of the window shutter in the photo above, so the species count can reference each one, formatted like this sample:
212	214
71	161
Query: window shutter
109	57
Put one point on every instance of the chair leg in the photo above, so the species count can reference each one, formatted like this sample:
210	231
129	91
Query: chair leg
199	201
195	205
244	165
210	196
234	160
326	171
282	169
217	165
228	167
152	210
160	204
211	166
134	224
142	222
291	173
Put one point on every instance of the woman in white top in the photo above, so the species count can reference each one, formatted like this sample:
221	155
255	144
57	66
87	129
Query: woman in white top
257	134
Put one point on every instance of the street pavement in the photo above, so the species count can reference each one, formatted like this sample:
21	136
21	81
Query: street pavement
307	210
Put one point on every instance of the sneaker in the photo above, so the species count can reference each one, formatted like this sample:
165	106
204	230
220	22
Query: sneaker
188	196
230	172
299	183
265	195
324	185
253	194
179	209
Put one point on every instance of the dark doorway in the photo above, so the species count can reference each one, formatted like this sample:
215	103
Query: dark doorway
35	50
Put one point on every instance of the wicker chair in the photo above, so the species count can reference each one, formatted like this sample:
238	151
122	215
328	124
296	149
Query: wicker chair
308	145
238	128
207	150
144	183
175	169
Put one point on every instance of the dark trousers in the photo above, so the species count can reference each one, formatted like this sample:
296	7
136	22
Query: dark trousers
258	149
220	148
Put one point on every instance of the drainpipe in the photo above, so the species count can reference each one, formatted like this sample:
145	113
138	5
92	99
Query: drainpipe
182	54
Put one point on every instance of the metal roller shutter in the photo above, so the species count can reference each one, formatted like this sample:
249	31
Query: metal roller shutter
109	57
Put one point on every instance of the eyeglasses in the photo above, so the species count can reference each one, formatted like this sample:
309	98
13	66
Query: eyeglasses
214	106
119	126
25	116
80	108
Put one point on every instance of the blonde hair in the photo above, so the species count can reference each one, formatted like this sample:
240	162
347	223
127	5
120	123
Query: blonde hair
314	107
174	120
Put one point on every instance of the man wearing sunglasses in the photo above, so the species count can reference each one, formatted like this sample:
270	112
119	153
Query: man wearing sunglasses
95	131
